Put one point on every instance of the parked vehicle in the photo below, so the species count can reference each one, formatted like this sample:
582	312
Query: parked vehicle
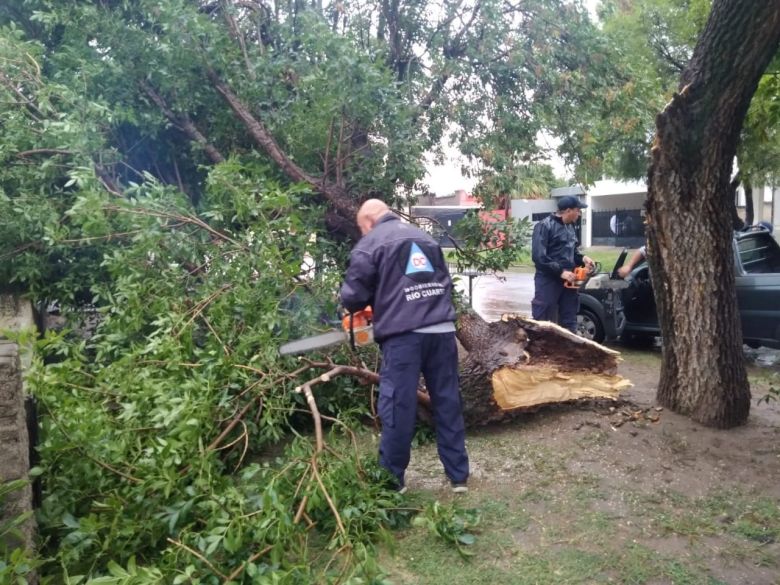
601	313
757	273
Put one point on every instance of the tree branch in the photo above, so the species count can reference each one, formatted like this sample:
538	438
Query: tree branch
27	153
452	50
239	36
335	195
184	123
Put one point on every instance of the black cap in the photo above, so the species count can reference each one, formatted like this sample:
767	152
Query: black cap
570	202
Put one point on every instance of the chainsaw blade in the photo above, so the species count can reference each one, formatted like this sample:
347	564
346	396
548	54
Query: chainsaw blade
314	342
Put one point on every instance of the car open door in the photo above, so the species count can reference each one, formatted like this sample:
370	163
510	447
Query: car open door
757	259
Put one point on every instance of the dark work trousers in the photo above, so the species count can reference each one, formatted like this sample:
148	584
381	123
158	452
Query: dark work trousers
404	357
554	302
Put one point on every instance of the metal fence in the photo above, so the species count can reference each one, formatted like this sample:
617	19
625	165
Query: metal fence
618	227
467	274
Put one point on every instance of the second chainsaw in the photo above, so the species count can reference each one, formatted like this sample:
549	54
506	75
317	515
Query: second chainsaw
581	276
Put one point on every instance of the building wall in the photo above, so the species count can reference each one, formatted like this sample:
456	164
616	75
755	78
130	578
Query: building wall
459	197
775	214
443	220
618	201
610	195
528	207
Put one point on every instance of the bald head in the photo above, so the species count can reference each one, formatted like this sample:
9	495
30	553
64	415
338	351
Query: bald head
369	213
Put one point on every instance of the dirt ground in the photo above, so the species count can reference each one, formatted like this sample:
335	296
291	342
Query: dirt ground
606	478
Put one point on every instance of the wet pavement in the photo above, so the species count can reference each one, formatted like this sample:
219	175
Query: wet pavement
494	295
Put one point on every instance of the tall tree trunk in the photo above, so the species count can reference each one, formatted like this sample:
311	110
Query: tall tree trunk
689	213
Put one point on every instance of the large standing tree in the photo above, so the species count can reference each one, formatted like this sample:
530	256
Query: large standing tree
689	213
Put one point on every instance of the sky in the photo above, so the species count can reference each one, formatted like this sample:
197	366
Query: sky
446	178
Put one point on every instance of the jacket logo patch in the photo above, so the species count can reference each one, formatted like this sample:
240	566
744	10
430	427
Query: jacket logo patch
418	261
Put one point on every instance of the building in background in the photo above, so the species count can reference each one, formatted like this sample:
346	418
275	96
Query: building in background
537	209
440	215
615	212
614	216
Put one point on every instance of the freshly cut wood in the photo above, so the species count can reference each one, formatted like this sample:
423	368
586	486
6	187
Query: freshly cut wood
517	363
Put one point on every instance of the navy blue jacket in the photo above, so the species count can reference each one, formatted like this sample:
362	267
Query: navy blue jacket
400	271
554	246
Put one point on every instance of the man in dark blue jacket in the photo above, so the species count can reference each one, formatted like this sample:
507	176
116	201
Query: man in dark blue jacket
555	254
400	271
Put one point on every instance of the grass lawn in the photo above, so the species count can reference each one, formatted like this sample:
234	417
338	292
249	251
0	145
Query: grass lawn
604	255
563	496
547	516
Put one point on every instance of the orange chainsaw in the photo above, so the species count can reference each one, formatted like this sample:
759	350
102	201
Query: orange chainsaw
356	329
581	276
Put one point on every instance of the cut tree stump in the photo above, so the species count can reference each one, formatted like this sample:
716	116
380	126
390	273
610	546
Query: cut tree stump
516	364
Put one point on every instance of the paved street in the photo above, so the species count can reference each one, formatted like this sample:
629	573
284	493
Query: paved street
494	295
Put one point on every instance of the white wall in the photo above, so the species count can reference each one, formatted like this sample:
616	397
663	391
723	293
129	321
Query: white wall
527	207
609	194
622	201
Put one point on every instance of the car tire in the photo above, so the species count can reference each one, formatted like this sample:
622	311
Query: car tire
590	326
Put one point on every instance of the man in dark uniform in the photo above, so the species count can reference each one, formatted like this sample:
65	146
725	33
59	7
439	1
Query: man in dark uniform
555	254
400	271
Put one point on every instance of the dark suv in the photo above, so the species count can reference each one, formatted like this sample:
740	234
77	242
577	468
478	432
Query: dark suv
757	266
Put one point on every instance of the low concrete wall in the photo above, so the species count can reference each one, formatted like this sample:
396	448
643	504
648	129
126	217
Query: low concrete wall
15	454
15	314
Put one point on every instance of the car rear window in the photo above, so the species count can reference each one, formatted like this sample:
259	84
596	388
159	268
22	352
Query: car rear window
759	253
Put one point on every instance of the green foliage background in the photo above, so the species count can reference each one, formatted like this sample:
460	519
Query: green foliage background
174	447
186	326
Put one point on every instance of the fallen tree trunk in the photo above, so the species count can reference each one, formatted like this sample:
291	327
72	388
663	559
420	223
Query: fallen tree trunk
516	364
511	366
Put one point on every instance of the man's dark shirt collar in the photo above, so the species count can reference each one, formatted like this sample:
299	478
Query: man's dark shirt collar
389	216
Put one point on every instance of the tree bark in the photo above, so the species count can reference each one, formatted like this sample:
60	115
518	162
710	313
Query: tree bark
512	366
689	214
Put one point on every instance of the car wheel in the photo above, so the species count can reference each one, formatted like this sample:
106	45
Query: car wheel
589	326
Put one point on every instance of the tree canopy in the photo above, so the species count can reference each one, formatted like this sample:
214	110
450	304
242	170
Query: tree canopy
653	41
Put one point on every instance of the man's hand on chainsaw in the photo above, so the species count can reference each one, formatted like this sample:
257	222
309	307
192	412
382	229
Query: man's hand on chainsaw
589	263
